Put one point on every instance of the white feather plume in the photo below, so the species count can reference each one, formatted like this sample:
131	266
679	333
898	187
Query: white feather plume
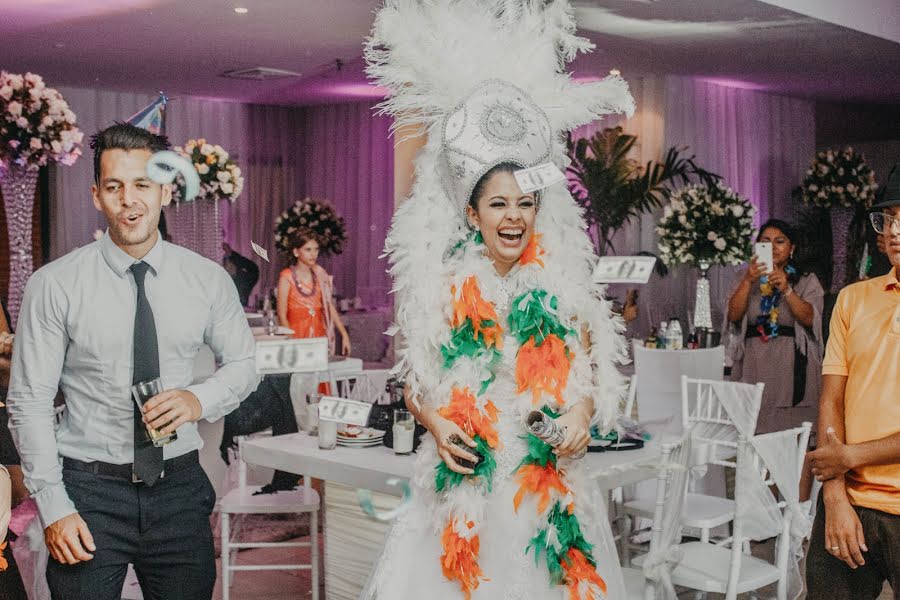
430	53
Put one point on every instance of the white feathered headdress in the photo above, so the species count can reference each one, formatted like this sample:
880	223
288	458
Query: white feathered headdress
440	59
430	54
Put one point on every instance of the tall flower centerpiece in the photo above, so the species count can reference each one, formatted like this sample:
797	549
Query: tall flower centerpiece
220	176
702	226
840	182
316	216
220	180
37	128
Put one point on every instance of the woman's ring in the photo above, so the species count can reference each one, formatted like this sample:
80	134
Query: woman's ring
835	548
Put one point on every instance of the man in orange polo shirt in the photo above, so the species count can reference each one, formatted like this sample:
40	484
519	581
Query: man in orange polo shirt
855	542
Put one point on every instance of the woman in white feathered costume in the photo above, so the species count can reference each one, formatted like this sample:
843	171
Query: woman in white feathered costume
496	306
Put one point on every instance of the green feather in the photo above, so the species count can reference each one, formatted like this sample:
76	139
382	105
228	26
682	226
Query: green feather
539	452
550	412
464	342
551	556
568	531
444	478
530	317
539	544
473	238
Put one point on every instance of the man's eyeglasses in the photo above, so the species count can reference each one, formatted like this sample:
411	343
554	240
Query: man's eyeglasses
882	221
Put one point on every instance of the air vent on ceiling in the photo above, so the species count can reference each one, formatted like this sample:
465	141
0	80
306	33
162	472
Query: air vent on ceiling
260	74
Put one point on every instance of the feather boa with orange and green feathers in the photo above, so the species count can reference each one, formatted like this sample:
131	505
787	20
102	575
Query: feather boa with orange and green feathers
552	372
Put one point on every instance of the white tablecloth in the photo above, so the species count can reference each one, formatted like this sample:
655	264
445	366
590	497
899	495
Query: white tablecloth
352	540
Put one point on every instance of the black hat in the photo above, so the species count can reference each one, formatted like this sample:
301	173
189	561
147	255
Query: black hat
891	195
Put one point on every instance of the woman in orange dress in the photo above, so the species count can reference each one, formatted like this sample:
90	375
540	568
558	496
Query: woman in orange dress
305	302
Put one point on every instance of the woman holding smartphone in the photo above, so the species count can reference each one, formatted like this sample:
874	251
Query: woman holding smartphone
775	322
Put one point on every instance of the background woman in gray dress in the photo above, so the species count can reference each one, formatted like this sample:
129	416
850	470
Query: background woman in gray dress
787	359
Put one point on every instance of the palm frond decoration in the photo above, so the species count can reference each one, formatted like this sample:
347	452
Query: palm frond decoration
613	189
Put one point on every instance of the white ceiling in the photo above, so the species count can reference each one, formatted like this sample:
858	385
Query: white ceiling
182	47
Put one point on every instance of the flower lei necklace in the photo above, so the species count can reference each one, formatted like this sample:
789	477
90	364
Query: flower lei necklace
767	321
300	288
543	360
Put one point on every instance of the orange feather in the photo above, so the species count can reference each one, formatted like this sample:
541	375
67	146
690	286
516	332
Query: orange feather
578	570
469	304
460	559
540	481
463	411
543	368
533	251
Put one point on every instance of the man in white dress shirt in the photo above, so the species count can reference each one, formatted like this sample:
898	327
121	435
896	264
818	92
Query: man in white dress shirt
124	309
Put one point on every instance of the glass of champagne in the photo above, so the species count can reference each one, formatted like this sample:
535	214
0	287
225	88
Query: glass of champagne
142	393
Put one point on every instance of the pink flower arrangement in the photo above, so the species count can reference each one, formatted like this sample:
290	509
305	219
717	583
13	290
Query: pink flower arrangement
36	124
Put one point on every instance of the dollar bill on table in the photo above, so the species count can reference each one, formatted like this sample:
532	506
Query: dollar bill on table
342	410
539	177
624	269
260	251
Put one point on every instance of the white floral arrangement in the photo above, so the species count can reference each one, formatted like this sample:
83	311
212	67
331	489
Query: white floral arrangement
316	217
36	124
839	178
706	226
220	176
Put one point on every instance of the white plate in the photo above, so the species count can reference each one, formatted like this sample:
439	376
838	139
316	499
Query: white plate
363	434
360	443
360	440
368	444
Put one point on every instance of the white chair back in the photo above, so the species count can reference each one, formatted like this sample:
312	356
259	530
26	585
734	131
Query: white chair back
665	533
244	500
718	411
375	388
758	514
779	457
659	374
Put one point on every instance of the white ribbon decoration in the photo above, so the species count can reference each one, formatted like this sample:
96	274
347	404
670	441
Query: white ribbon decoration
658	567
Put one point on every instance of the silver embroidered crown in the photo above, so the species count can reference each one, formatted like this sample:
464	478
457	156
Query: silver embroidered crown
496	123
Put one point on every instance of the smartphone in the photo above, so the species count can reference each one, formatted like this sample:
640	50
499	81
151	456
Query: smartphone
763	251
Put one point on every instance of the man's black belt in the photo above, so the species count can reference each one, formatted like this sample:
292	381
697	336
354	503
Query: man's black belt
783	331
173	465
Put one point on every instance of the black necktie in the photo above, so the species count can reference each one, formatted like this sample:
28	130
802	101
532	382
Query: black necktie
148	459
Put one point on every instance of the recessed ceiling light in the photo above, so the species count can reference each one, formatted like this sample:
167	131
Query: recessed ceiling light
260	73
241	10
615	72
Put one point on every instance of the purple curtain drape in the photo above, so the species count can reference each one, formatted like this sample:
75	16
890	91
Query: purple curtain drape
348	158
760	143
341	153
